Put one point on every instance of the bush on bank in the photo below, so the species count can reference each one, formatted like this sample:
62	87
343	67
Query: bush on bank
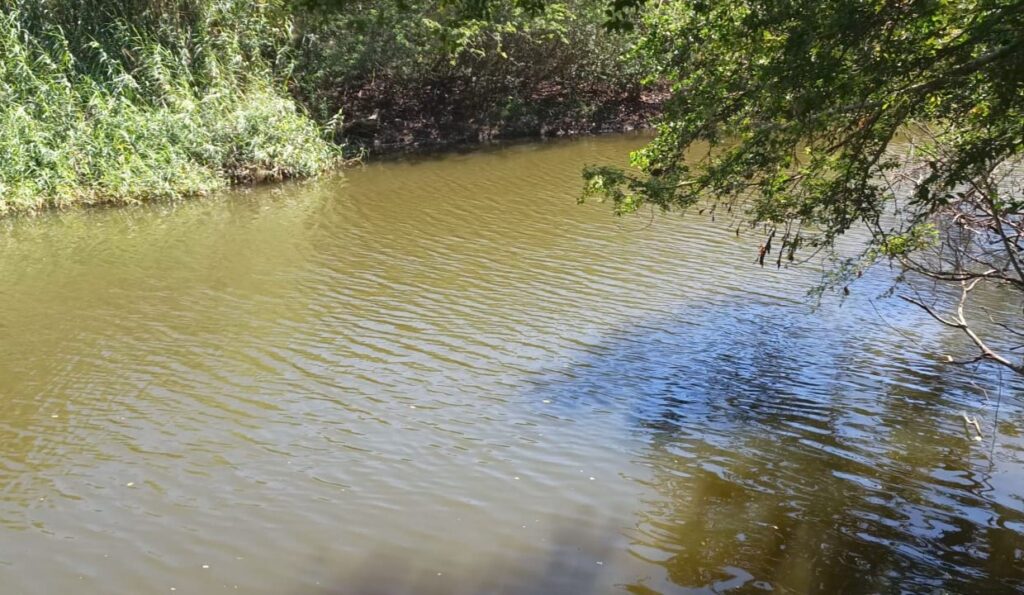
425	75
116	112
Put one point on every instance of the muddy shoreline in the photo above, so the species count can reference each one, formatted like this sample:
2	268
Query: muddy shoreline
377	129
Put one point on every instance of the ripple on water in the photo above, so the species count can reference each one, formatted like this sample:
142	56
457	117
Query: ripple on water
441	375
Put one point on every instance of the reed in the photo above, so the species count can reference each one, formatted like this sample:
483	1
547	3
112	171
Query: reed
165	103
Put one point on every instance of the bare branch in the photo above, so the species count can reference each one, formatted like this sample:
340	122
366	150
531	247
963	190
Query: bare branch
960	322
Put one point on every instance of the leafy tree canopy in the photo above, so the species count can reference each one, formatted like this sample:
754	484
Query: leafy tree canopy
797	103
821	115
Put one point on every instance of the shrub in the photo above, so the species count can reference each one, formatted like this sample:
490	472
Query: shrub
125	117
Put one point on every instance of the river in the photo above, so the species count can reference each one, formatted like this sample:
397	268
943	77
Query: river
441	375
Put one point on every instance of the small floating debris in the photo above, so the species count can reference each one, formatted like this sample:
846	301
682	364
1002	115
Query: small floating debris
129	484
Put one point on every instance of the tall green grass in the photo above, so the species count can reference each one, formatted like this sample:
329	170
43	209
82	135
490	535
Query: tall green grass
121	113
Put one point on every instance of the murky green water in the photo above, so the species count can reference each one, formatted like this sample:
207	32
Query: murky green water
443	376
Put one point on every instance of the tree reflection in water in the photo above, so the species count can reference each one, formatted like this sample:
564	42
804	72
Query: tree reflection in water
810	454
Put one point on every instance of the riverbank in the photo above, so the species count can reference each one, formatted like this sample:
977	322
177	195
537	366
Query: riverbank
388	127
116	111
129	103
143	177
155	165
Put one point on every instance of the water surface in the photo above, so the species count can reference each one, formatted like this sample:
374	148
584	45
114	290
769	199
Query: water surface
441	375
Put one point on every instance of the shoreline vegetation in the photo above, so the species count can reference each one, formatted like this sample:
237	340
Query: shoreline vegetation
105	102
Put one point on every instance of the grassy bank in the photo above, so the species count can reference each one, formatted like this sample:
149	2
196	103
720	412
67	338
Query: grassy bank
125	113
105	101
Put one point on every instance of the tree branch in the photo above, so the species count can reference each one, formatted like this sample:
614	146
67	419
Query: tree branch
960	322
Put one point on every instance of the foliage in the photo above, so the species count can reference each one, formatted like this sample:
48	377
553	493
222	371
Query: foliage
431	61
820	116
168	104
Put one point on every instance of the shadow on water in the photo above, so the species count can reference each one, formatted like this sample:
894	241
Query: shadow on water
781	452
808	453
567	567
508	147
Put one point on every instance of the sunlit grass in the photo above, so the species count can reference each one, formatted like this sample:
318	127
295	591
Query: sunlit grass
171	124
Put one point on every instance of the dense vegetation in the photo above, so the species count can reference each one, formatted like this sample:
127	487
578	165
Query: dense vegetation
111	101
434	74
104	101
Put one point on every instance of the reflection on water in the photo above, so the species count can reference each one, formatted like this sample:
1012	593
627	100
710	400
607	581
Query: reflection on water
442	375
785	454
